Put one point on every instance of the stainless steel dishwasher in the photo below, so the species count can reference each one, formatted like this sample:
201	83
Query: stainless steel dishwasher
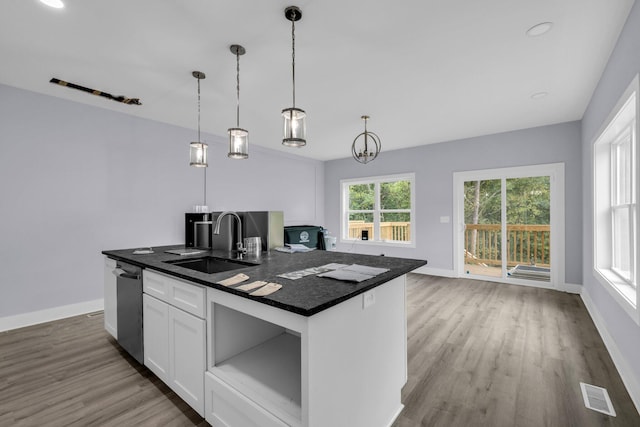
129	309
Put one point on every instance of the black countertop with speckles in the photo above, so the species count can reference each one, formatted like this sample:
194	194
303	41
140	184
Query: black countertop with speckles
305	296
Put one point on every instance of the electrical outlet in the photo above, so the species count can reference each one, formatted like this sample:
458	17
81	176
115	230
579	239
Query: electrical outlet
368	298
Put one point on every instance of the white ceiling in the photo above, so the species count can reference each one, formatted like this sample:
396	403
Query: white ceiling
426	71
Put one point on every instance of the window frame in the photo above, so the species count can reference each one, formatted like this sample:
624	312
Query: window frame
621	125
621	203
377	210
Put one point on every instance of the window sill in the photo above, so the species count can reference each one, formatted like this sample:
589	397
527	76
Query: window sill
624	294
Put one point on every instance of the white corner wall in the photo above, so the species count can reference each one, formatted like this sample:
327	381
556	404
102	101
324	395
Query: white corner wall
76	180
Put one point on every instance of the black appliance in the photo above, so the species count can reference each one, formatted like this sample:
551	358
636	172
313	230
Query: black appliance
129	309
312	236
197	230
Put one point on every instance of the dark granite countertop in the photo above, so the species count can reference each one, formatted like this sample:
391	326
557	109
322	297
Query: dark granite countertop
306	296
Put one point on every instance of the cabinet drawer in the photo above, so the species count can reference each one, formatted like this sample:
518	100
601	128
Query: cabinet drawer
226	407
156	285
187	296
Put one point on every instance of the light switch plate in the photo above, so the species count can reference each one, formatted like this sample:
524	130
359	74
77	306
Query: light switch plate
444	219
368	298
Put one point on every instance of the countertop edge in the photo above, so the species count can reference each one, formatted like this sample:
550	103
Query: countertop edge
127	256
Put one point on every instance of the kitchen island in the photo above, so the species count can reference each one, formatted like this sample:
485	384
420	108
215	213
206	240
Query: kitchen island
317	352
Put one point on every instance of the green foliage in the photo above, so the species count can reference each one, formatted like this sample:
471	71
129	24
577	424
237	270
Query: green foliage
361	216
528	201
395	195
361	197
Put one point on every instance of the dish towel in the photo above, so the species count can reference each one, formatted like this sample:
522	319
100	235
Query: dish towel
233	280
251	286
267	289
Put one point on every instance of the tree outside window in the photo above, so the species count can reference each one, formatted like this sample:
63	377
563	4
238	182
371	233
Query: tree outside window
381	206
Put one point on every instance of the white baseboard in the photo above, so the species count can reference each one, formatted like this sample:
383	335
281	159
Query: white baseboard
50	314
435	272
629	380
441	272
571	288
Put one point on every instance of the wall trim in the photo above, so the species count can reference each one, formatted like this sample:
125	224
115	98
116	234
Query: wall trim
571	288
632	386
42	316
435	272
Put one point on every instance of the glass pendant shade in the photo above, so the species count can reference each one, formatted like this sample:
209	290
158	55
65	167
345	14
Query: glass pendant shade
295	128
238	143
198	150
294	119
198	154
238	137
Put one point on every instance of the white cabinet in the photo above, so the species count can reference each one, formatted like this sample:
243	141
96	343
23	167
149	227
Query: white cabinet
179	293
187	357
110	298
174	339
226	407
342	367
156	336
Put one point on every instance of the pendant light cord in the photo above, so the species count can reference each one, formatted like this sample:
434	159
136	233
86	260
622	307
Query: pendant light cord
198	110
238	87
293	56
205	169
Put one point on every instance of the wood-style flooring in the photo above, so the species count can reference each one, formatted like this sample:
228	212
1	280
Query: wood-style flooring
491	354
480	354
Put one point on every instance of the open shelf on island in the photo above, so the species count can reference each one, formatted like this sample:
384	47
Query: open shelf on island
259	359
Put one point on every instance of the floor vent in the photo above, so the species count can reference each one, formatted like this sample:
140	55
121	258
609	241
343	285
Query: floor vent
597	399
96	313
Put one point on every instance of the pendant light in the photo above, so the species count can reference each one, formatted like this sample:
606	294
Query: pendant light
294	118
198	150
369	146
238	137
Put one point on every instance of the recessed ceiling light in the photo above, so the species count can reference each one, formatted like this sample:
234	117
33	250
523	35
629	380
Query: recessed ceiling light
539	95
539	29
53	3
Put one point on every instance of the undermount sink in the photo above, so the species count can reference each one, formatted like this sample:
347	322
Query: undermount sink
211	264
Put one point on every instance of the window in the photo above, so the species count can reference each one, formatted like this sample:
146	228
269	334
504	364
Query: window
380	207
615	202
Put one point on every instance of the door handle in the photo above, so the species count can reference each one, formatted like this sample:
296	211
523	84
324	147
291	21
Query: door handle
118	272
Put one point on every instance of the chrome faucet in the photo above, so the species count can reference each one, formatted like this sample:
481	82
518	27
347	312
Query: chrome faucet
216	230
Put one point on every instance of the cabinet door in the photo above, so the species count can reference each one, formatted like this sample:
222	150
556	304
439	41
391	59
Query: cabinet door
110	298
156	336
187	357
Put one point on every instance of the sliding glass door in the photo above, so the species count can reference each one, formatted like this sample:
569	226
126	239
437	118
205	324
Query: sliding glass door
483	227
528	224
505	224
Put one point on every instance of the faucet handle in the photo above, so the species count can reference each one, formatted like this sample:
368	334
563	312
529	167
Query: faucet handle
241	249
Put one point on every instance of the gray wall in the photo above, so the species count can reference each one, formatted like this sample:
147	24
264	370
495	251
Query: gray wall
434	166
623	65
75	180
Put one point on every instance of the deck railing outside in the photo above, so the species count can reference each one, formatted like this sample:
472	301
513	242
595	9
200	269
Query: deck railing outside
399	231
526	244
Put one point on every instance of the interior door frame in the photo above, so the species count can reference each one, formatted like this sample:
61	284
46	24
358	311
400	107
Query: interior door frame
555	172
